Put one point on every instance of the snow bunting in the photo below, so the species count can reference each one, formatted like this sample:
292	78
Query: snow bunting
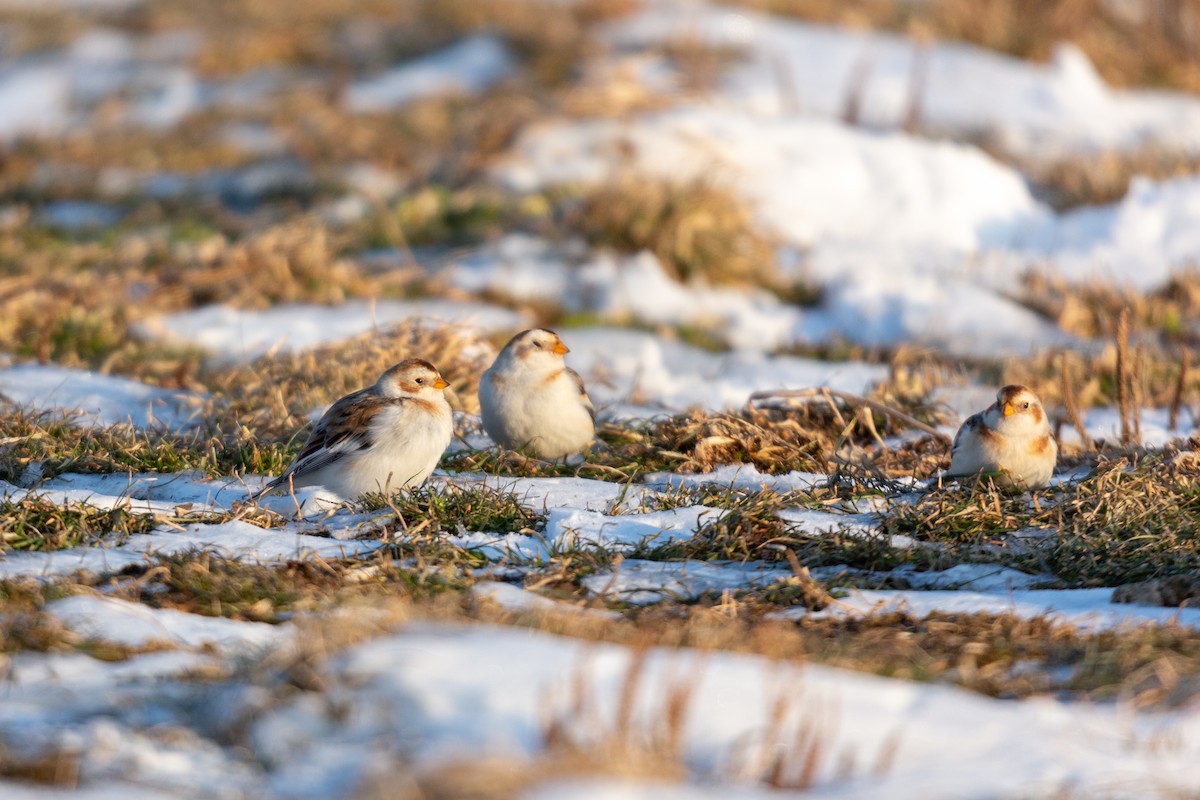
386	437
1011	437
531	398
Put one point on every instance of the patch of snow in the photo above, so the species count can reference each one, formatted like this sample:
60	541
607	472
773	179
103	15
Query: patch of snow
570	528
175	492
801	175
602	788
1087	609
241	540
515	599
1039	111
232	539
34	99
137	625
523	267
891	227
635	373
871	306
97	399
254	138
166	97
540	494
1141	241
441	680
104	790
742	477
94	560
643	582
79	215
1105	423
622	289
466	67
974	577
235	335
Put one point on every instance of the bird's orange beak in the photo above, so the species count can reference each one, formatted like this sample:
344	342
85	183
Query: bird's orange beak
1009	410
440	383
561	349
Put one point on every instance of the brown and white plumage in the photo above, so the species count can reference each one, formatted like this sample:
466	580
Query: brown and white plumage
388	436
530	398
1011	438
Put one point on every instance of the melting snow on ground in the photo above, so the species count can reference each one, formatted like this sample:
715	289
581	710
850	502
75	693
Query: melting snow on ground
429	694
94	399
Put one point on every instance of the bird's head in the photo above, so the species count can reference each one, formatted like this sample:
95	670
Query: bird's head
413	377
536	347
1018	408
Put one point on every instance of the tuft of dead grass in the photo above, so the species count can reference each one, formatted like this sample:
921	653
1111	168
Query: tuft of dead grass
819	436
697	230
39	446
81	303
1098	179
39	524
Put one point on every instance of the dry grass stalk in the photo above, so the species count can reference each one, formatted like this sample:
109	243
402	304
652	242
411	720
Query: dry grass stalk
646	746
1123	379
1185	356
1072	406
1137	391
918	85
857	401
856	87
794	761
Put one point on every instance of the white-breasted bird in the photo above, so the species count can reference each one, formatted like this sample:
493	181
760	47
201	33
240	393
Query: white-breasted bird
530	398
386	437
1010	438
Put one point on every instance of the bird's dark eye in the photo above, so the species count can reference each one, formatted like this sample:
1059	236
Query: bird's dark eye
420	380
538	345
1026	405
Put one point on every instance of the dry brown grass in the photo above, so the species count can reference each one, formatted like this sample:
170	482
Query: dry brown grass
1093	309
76	303
38	524
806	437
697	230
52	766
1102	178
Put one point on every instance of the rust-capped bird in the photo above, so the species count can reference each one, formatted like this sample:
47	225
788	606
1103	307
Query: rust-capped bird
386	437
1010	438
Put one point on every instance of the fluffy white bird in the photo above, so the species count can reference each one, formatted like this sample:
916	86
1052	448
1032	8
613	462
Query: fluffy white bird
383	438
531	398
1011	438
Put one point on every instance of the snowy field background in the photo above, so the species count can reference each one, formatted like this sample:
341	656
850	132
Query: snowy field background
209	230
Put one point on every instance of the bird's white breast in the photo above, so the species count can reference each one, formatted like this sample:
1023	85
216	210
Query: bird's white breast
521	408
407	441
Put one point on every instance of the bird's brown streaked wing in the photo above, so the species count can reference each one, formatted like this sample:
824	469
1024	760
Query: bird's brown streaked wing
969	427
583	395
344	429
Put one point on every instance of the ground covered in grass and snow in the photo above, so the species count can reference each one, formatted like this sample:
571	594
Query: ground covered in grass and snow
214	224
